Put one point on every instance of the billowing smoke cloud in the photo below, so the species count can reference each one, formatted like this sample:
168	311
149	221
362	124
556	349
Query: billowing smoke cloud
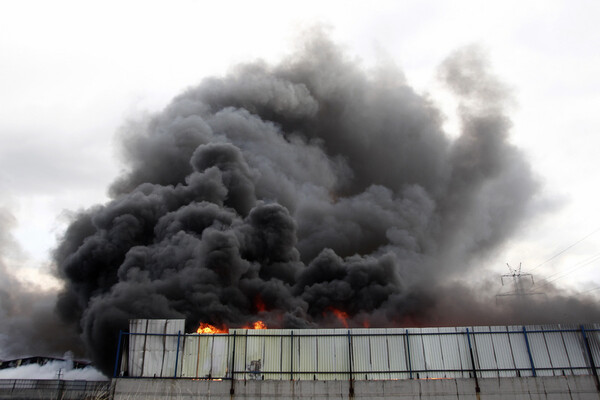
284	192
28	323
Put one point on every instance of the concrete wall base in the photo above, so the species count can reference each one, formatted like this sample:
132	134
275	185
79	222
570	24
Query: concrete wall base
540	388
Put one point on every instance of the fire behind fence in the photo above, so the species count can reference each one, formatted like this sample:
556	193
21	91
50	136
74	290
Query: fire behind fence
157	348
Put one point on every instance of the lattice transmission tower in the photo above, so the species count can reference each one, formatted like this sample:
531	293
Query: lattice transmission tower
522	284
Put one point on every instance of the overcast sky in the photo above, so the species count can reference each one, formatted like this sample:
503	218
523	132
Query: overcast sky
72	73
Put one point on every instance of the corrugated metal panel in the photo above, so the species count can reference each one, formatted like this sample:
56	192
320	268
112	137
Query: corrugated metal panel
575	348
305	355
205	347
325	354
239	364
342	355
593	335
273	352
255	354
519	350
484	352
154	348
172	348
503	351
397	356
450	352
286	355
463	350
417	358
556	349
434	352
153	361
539	351
379	354
361	355
220	350
190	357
136	346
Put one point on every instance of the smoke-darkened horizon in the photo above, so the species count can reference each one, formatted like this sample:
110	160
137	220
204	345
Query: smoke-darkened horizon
283	192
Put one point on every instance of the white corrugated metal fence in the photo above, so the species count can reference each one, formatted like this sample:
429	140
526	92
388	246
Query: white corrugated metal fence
158	348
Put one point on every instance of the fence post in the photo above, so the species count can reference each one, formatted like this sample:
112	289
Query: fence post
177	354
477	389
292	356
408	354
591	357
118	354
529	351
350	360
231	390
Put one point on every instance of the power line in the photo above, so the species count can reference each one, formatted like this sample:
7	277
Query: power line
589	290
581	265
564	250
573	268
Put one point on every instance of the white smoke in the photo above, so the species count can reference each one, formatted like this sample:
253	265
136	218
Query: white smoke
53	370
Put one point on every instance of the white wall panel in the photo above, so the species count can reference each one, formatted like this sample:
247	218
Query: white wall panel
273	348
593	335
557	352
379	354
451	352
518	346
463	350
137	328
361	355
397	353
205	348
173	348
432	351
539	351
324	354
342	355
484	352
503	351
239	365
189	364
576	350
305	355
220	350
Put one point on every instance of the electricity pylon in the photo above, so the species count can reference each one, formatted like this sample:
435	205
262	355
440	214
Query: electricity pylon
522	284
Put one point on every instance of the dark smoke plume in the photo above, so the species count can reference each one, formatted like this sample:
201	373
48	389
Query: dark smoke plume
28	324
284	192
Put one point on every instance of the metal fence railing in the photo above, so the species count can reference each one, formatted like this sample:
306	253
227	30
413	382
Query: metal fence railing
363	354
54	389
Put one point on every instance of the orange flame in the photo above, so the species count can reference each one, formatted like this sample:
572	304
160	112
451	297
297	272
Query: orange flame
210	329
259	303
256	325
341	315
259	325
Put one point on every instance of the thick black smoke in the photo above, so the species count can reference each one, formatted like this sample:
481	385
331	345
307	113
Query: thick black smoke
284	192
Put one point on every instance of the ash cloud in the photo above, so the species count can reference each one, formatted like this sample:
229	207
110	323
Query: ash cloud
282	192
